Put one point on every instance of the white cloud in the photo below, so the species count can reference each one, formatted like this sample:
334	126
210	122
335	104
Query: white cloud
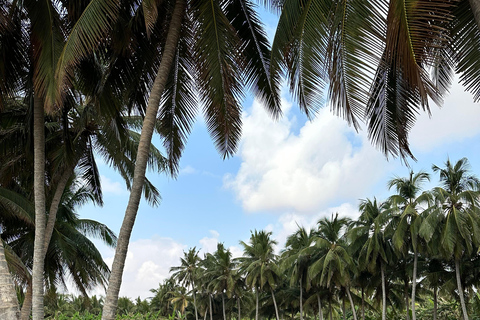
455	121
187	170
209	244
148	263
327	161
115	187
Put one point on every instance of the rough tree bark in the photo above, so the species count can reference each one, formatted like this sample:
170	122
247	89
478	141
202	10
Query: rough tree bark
8	299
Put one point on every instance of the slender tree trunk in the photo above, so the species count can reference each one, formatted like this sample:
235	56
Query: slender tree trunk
195	303
320	312
330	306
301	299
27	304
52	214
460	289
8	297
210	301
275	304
205	315
363	304
158	87
435	303
39	199
384	293
344	309
405	290
239	313
223	306
351	304
256	303
475	5
414	283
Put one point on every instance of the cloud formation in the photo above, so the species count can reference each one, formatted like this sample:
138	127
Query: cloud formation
322	164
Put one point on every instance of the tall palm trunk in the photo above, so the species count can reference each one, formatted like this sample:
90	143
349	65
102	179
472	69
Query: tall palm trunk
223	306
239	314
195	303
320	312
405	289
363	303
275	304
460	289
344	311
351	304
414	283
27	304
39	199
210	302
158	87
384	293
256	303
301	298
8	298
435	303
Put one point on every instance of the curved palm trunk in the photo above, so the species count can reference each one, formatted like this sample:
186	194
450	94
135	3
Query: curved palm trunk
39	199
27	304
256	304
320	312
301	299
275	304
351	304
414	284
8	298
158	87
384	293
460	289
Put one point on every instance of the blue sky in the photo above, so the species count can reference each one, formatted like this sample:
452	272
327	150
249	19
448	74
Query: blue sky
287	172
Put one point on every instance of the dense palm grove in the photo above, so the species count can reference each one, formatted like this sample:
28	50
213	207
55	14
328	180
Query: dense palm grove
411	256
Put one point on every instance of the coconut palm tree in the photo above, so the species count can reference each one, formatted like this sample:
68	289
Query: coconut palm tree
297	258
368	234
218	45
457	213
379	61
333	264
10	309
410	201
259	265
186	273
222	273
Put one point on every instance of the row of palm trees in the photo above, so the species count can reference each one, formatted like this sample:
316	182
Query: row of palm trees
376	56
414	247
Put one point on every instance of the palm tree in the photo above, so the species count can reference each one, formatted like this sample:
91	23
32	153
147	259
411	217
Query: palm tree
218	45
8	299
369	236
333	264
409	201
457	205
380	60
186	273
259	265
297	258
222	274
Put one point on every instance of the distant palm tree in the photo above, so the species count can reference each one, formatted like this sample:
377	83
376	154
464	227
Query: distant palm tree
259	265
187	273
297	258
333	264
457	213
410	201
